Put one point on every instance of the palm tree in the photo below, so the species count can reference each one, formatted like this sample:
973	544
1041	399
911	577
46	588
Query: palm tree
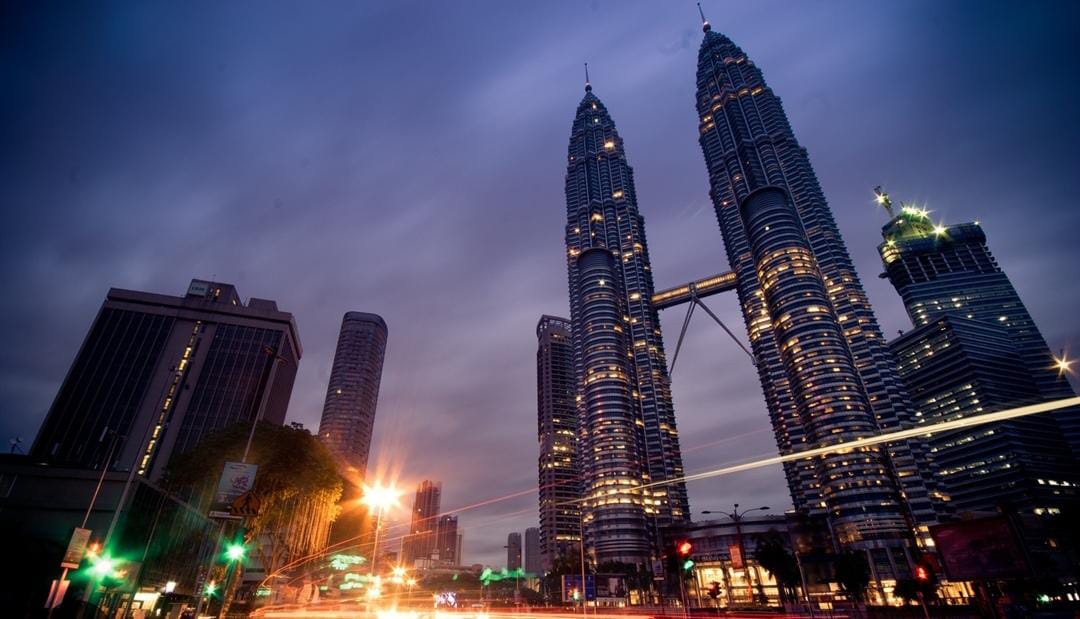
772	554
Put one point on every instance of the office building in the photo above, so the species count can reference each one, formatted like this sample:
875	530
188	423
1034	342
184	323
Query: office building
157	373
955	367
513	551
421	541
533	563
352	395
943	270
626	414
758	171
557	418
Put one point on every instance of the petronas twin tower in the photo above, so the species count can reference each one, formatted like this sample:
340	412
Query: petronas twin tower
826	374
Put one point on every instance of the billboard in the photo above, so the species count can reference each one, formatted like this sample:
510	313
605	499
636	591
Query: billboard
571	587
983	548
236	479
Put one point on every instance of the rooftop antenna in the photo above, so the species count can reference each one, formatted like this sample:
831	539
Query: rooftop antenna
882	199
704	22
588	86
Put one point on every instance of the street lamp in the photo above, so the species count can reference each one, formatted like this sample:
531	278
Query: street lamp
737	517
379	498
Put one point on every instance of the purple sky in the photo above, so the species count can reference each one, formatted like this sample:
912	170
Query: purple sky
408	160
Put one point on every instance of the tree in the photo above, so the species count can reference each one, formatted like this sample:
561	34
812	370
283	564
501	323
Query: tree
773	555
297	486
908	589
852	574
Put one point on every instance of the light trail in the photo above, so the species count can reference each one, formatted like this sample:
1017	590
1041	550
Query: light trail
889	437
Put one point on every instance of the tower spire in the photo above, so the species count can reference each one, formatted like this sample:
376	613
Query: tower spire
588	86
705	27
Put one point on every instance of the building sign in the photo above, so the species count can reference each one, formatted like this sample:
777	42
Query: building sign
236	479
198	289
736	556
73	556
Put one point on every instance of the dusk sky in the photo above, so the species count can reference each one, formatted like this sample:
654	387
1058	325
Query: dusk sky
407	159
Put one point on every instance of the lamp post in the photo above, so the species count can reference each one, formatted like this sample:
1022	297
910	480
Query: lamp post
379	498
736	517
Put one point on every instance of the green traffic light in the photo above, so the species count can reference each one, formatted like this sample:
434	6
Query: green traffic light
211	588
688	565
235	552
102	567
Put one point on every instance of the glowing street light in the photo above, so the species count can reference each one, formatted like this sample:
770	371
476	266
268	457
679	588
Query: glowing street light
399	571
379	498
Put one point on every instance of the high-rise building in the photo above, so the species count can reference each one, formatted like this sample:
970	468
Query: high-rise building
749	147
533	563
352	395
955	367
626	415
420	543
559	470
157	373
513	551
948	270
446	540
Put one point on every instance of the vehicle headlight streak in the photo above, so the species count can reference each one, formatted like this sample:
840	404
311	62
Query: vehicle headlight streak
889	437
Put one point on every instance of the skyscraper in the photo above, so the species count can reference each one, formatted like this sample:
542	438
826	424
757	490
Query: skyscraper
749	147
513	551
557	418
943	270
420	542
446	540
626	415
533	563
955	367
352	395
158	373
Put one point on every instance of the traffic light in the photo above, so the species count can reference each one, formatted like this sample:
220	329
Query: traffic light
714	589
685	551
235	552
922	574
926	570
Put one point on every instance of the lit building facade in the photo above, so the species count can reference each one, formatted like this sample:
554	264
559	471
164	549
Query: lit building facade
748	146
955	367
557	419
158	373
976	349
446	540
626	410
943	270
348	416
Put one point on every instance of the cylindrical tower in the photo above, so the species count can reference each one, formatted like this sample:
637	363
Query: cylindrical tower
615	511
857	486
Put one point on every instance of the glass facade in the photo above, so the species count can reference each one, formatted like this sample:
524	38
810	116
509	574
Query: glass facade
749	145
943	270
602	212
955	367
352	395
557	420
104	389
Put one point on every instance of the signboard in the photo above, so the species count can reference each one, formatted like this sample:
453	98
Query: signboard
611	586
236	479
736	556
571	587
983	548
246	505
73	556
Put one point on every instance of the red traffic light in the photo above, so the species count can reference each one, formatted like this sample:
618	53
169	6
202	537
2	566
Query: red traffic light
684	548
921	573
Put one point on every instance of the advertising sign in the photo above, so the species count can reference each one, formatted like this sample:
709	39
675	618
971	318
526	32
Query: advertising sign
983	548
571	587
236	479
76	549
611	587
